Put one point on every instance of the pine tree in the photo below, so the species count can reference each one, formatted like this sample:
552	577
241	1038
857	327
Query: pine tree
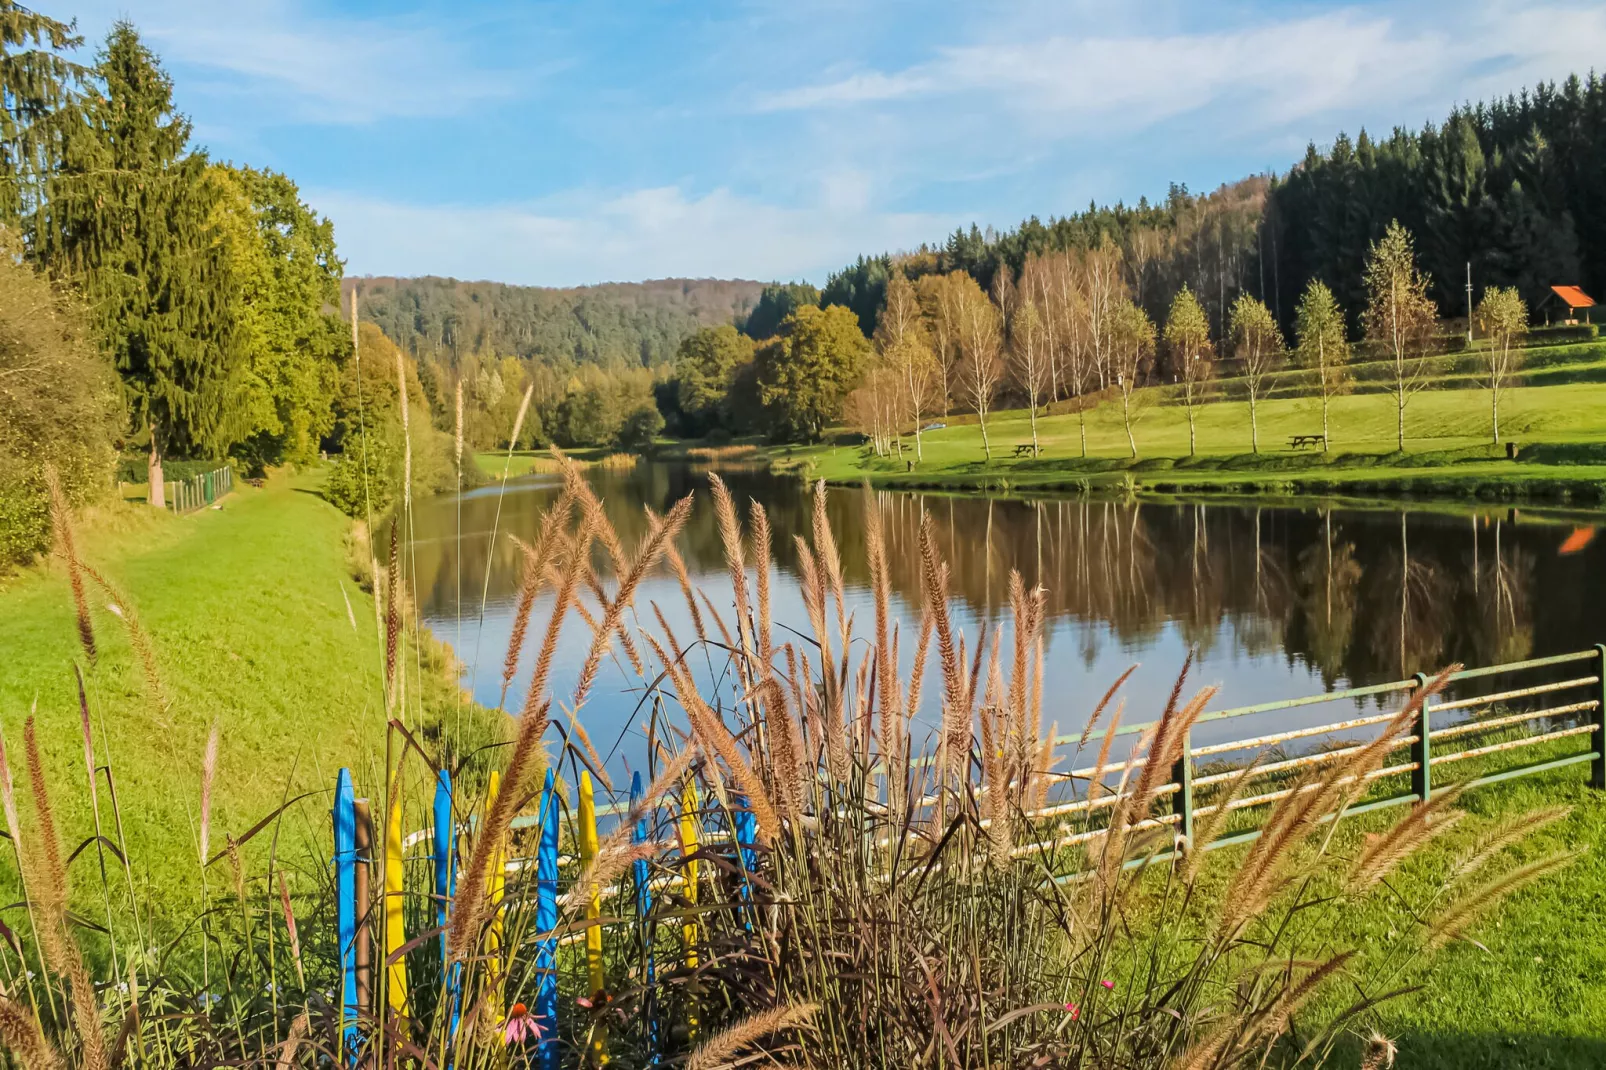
127	219
36	81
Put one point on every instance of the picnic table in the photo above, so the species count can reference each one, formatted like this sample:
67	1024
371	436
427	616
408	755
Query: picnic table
1299	442
1024	448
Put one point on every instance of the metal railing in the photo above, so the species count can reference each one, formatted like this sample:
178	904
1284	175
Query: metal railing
199	491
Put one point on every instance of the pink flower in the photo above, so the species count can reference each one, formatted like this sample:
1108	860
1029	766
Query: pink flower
1108	984
1073	1010
521	1026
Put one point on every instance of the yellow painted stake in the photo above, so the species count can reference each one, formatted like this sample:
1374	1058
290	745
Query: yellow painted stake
588	855
690	822
395	927
495	884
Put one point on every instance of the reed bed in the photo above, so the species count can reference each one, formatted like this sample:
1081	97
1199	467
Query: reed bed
827	890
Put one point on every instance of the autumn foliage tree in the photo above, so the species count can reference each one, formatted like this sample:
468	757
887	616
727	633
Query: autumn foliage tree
1322	344
1258	345
1187	339
1399	317
1503	318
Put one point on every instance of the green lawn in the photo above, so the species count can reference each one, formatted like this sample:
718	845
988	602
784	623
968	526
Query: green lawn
1561	429
245	612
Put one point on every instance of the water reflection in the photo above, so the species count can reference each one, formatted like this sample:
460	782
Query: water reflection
1278	602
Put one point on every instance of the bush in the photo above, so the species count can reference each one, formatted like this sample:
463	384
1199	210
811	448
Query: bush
358	489
59	400
639	429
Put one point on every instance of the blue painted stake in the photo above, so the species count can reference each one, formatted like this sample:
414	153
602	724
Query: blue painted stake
643	900
746	828
446	885
546	920
345	819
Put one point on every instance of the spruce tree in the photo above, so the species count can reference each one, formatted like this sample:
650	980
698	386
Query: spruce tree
127	220
36	81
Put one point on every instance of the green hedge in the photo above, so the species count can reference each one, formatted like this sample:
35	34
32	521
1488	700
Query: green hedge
134	469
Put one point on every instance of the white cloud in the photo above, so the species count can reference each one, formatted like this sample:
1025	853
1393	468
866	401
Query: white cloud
647	233
299	67
1271	73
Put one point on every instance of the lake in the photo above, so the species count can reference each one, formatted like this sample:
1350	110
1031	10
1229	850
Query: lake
1275	602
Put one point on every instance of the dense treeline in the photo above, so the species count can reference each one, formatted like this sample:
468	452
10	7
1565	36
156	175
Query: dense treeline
611	324
153	301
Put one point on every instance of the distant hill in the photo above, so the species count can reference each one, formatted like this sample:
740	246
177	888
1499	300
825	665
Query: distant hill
618	323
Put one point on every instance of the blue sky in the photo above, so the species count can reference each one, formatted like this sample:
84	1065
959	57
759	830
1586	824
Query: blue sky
570	143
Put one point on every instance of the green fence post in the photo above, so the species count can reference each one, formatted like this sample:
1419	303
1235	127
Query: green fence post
1597	768
1182	801
1421	751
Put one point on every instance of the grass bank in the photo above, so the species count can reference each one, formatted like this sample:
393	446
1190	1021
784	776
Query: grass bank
256	623
1561	432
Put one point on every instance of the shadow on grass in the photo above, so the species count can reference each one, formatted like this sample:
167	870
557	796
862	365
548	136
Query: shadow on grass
1427	1050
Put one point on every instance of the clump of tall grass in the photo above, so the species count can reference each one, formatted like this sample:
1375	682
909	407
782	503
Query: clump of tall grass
828	890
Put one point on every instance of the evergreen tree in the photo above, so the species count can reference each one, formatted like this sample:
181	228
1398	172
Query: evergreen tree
37	79
128	219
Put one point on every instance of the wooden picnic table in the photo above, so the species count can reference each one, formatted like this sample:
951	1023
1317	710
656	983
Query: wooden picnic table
1299	442
1024	448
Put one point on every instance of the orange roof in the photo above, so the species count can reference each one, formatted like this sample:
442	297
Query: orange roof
1573	297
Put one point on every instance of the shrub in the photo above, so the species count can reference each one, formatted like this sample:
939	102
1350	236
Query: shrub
58	397
363	486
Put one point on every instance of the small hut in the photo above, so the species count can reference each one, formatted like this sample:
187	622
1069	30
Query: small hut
1570	298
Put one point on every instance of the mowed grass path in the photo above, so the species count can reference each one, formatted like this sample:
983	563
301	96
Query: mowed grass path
1362	428
245	612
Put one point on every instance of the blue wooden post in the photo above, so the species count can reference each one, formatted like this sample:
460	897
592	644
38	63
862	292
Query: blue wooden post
546	921
445	885
643	902
345	818
745	825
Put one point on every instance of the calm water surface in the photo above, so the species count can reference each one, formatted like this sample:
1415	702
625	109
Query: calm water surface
1276	602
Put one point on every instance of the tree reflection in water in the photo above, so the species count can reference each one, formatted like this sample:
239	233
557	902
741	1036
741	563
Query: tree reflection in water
1276	601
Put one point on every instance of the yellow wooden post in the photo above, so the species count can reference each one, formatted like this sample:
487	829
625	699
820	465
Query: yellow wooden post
395	928
495	885
588	856
690	823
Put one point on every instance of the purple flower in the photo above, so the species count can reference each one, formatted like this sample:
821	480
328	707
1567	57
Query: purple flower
521	1027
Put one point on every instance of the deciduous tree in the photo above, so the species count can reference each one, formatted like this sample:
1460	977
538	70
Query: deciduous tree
905	350
1258	345
1503	318
981	343
805	378
1187	339
1131	355
1029	357
1322	343
1399	316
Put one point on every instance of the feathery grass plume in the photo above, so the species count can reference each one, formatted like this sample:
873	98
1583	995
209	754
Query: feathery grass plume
298	1027
1426	821
1283	1009
813	589
66	546
830	560
124	610
1298	813
677	564
934	582
1168	741
1468	906
886	662
1504	835
577	550
8	797
762	552
717	739
730	536
59	949
351	614
1020	654
652	544
1095	783
536	559
1087	730
290	928
392	608
457	435
208	772
21	1036
785	752
615	853
1205	828
917	671
717	1051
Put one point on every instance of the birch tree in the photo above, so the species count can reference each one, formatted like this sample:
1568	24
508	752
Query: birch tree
1029	355
1187	339
1131	354
1503	318
1319	328
1399	316
905	350
940	304
1258	345
980	345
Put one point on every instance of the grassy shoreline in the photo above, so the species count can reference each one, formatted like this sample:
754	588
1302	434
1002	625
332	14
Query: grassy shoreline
257	623
1560	431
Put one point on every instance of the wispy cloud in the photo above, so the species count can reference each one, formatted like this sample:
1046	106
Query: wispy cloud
646	233
292	65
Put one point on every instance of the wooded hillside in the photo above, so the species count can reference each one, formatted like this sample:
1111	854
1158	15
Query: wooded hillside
634	324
